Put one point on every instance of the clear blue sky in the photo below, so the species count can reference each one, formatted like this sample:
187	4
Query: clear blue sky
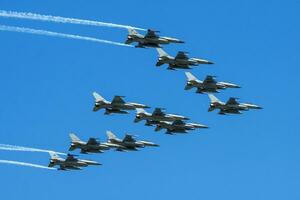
46	85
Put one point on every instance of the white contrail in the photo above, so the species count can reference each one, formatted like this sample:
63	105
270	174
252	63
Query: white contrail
8	147
25	164
55	34
57	19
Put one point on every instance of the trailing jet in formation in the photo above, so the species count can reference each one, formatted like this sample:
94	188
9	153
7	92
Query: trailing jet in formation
209	85
91	146
231	106
180	61
157	115
118	105
151	39
177	126
70	163
129	143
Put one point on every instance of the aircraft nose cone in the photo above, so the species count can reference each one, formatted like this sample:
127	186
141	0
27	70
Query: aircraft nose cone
97	164
210	62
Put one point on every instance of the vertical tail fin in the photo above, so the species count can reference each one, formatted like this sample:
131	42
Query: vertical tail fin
161	52
190	76
53	155
110	135
98	97
132	32
140	110
213	99
74	137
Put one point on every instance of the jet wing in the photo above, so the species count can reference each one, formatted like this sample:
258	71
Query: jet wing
158	112
151	34
92	141
128	138
232	101
209	80
182	55
118	100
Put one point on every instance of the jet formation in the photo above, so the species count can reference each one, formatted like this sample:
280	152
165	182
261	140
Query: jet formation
158	118
93	145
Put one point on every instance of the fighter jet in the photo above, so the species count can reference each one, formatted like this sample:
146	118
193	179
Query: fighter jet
209	85
177	126
70	163
151	39
118	105
231	106
157	115
180	61
129	143
91	146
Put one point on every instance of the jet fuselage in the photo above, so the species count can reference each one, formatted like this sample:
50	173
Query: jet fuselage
166	117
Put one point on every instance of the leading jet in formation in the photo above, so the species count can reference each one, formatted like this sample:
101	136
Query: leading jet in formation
208	85
180	61
129	143
70	163
117	105
177	126
157	115
91	146
151	39
231	106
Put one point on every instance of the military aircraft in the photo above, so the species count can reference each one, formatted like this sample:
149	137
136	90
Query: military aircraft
180	61
118	105
129	143
231	106
157	115
209	85
151	39
91	146
70	163
177	126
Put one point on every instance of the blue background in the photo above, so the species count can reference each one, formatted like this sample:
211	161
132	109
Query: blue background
46	85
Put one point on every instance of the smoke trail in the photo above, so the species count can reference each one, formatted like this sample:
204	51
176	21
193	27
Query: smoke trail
55	34
25	164
8	147
57	19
